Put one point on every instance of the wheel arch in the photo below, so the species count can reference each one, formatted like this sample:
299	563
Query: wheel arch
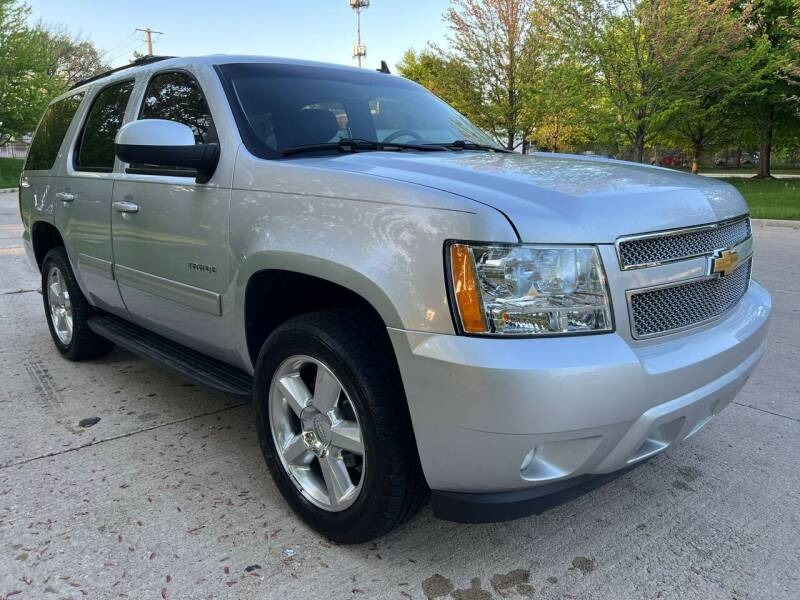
272	295
44	237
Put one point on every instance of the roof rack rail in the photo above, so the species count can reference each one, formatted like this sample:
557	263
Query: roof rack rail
145	60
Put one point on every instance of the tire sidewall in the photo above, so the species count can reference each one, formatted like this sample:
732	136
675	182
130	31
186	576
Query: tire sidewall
57	258
366	509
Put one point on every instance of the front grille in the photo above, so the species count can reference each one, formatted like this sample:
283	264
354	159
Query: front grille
681	244
665	309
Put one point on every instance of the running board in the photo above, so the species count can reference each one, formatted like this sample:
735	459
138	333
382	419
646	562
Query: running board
184	361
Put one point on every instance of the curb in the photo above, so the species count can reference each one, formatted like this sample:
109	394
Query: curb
8	190
775	223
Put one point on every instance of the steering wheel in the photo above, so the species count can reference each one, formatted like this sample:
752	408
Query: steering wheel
402	133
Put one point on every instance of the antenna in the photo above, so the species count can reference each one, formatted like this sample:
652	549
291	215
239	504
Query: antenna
359	50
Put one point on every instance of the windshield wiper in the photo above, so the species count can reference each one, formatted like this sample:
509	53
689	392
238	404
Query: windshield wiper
358	144
470	145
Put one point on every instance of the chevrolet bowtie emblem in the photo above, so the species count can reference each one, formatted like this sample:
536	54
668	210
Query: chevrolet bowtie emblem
724	262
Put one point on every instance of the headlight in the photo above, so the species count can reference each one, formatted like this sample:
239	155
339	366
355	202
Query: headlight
528	290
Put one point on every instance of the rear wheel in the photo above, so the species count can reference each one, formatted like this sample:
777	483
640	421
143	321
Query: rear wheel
334	427
68	311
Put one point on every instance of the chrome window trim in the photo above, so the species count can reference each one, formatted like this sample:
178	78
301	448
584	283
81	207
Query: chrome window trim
630	293
670	233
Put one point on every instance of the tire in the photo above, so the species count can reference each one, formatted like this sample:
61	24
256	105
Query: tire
81	343
353	350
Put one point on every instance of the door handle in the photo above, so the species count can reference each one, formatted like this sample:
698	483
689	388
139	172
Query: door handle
126	207
65	196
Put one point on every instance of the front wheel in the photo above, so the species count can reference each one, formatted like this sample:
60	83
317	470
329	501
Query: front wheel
334	427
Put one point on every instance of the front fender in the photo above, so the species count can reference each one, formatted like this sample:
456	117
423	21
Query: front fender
382	240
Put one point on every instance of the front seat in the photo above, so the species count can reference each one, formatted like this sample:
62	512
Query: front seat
315	126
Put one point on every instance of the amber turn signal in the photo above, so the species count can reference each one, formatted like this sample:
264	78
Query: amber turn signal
465	287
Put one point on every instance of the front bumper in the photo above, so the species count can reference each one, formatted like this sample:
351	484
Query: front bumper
510	415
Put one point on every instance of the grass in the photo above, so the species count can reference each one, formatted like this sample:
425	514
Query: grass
771	198
748	170
10	168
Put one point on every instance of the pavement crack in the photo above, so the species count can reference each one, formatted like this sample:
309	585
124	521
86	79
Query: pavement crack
120	436
19	292
769	412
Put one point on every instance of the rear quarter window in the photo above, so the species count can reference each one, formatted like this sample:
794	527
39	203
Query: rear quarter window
51	132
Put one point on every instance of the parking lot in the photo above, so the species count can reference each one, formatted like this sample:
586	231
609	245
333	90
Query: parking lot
166	496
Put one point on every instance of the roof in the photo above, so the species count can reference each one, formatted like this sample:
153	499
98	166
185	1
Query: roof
211	59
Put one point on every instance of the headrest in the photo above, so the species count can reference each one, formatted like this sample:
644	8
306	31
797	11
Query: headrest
315	126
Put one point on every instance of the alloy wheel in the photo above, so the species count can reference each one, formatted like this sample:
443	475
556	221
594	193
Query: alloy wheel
60	305
316	432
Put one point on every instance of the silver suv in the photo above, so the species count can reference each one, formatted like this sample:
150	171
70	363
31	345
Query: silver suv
413	309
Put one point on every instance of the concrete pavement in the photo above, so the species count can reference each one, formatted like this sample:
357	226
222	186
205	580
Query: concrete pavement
166	496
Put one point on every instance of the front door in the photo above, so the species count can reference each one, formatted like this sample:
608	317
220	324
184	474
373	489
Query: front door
169	232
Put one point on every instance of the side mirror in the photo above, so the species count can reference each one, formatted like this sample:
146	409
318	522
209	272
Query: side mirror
160	143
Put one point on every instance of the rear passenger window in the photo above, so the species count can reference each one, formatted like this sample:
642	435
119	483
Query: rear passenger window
96	145
178	97
50	134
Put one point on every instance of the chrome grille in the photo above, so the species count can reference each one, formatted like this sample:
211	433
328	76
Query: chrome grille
667	309
680	244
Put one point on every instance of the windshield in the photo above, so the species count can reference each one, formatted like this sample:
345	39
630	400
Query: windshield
279	107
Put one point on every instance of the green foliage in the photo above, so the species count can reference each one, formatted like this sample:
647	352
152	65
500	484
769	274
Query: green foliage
25	87
447	77
69	59
10	170
495	40
772	99
35	66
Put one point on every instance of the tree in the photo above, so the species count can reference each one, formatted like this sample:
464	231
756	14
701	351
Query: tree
773	98
447	77
646	53
702	103
25	88
565	107
493	39
70	59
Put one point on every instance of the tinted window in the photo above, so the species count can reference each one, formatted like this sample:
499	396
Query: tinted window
47	141
283	106
96	146
178	97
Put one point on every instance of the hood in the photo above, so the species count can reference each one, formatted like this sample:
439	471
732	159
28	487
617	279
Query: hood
555	198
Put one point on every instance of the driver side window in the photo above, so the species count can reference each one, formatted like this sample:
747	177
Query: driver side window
176	96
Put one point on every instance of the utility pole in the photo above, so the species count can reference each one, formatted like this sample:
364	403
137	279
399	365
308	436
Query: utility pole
148	36
359	50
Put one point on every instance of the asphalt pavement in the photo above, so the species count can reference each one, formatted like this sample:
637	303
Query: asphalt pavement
166	495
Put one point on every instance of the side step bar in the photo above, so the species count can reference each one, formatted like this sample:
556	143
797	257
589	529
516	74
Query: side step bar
184	361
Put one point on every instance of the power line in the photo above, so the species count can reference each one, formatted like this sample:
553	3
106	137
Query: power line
119	45
123	50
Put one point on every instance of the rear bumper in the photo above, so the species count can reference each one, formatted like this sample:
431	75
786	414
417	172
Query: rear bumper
28	245
527	417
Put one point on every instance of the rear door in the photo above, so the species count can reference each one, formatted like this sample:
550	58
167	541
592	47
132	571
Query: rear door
40	176
170	233
83	209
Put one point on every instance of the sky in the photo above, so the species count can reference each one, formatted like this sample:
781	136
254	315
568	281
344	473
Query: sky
321	30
